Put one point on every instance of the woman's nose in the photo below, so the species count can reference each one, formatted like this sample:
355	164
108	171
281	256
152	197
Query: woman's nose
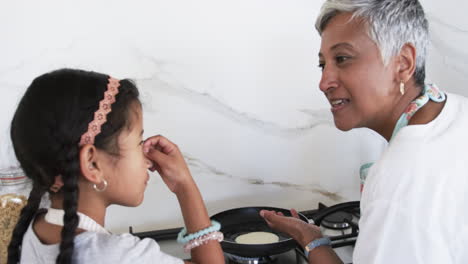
328	81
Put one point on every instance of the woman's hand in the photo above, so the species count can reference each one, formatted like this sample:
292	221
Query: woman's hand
168	161
303	233
297	229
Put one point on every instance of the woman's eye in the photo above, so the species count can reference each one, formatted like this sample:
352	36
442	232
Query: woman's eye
141	142
340	59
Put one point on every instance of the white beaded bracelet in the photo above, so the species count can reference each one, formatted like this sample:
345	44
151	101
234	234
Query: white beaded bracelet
196	242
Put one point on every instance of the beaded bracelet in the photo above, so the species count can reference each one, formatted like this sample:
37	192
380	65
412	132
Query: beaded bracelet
323	241
203	240
182	239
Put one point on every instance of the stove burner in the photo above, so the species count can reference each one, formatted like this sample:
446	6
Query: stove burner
246	260
338	220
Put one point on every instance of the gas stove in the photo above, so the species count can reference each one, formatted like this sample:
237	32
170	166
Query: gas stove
339	222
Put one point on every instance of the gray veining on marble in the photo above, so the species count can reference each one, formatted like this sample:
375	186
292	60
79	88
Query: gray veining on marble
205	99
195	163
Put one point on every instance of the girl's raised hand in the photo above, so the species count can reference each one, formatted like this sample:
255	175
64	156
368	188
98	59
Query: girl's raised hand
170	164
168	161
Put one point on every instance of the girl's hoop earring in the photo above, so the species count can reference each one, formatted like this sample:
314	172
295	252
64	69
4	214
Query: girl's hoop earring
97	189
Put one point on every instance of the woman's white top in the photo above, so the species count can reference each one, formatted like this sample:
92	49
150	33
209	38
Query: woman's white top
414	206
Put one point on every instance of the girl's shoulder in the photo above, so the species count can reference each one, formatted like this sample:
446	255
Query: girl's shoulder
124	241
121	248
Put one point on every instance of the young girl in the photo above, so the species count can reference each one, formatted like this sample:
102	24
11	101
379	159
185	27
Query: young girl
78	135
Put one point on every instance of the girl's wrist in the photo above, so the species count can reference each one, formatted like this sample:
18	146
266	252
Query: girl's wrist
186	186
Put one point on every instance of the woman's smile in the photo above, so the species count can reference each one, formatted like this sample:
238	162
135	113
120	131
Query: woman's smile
338	104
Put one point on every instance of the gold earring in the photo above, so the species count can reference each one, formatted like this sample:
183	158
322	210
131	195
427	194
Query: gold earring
402	87
97	189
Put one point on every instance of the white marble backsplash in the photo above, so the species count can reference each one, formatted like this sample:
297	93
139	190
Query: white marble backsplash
233	83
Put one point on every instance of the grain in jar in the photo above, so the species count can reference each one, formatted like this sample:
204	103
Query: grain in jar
14	190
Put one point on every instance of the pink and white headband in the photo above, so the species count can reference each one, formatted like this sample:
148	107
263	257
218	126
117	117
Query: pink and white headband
100	116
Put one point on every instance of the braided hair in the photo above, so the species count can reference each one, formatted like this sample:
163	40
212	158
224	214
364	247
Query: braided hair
46	129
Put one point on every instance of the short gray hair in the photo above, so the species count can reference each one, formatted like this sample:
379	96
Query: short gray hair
391	24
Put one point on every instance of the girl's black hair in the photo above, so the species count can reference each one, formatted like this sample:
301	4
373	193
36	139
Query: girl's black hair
46	129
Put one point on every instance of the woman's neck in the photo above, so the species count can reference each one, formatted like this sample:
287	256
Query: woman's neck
424	115
427	113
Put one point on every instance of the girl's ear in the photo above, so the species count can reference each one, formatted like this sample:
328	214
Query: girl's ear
90	164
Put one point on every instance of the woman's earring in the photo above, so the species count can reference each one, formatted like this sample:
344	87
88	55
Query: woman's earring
402	88
97	189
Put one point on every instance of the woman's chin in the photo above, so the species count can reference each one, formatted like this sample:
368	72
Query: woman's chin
343	126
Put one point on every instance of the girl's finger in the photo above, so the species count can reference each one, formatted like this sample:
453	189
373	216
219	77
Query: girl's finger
160	143
150	143
156	157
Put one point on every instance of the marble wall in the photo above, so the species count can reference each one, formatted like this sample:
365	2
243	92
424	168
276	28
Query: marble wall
233	83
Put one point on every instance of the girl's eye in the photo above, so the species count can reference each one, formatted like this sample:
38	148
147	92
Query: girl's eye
141	142
321	65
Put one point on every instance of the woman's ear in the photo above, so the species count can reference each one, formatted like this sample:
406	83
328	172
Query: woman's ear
406	63
90	164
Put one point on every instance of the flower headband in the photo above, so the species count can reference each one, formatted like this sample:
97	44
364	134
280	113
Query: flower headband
94	127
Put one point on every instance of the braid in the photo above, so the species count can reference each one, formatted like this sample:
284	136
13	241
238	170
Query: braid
47	125
70	204
27	214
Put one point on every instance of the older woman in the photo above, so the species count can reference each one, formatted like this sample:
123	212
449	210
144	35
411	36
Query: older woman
414	207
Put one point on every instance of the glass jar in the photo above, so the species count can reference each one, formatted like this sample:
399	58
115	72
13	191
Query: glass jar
14	192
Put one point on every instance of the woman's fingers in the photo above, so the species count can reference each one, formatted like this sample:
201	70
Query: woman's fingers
294	213
274	219
269	217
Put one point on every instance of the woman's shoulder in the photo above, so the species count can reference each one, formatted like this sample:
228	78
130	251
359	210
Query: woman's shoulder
121	248
460	102
451	120
456	110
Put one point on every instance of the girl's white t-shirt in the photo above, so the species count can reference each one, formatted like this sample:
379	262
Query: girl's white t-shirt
414	206
92	247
